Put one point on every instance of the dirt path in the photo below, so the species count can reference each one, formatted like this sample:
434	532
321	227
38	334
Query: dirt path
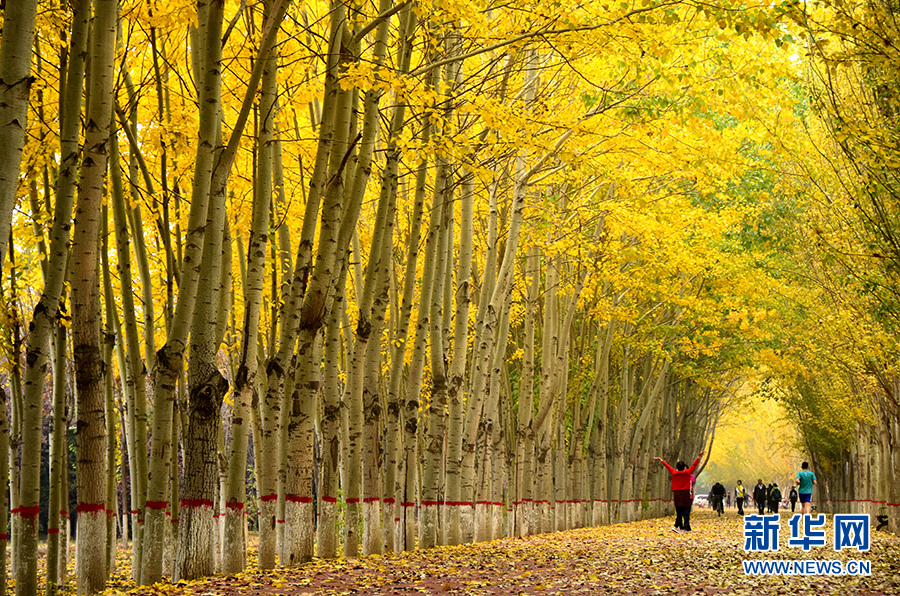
637	558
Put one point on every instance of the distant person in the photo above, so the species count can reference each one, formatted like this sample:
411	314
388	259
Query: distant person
681	489
760	494
740	493
792	497
805	479
717	495
769	498
775	497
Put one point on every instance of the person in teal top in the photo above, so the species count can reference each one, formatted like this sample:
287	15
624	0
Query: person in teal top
806	479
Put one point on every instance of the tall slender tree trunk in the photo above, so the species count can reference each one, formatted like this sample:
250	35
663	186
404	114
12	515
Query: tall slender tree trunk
246	382
327	539
134	377
206	389
278	366
405	427
456	382
44	317
15	88
523	504
4	486
58	451
430	322
90	367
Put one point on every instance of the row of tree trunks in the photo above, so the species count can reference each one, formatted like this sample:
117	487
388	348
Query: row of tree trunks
858	479
324	393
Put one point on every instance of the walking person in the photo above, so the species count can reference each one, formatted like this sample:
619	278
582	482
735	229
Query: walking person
740	494
759	496
805	479
775	497
717	494
681	490
792	496
769	498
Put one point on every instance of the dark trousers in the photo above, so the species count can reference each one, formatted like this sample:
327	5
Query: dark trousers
740	505
793	504
683	518
761	505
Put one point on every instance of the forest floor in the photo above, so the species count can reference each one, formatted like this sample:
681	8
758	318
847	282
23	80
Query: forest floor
640	558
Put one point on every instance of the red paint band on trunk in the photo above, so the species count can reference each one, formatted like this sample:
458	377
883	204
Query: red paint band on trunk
64	513
407	504
431	503
371	500
134	512
234	505
297	499
267	498
352	500
396	519
15	511
53	530
389	501
196	503
330	499
280	521
460	503
28	512
174	520
157	504
4	537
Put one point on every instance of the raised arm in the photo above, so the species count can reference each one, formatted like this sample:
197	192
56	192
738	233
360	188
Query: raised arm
696	461
663	462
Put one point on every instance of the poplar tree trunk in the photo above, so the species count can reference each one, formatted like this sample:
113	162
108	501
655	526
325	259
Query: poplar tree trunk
429	326
326	534
15	87
523	503
277	368
134	380
403	429
454	503
392	504
196	553
169	359
4	486
43	320
90	367
58	458
234	549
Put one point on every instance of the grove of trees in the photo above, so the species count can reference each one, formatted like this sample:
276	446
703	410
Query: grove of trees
374	276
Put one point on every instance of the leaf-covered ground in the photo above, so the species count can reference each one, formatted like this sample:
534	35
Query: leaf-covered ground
638	558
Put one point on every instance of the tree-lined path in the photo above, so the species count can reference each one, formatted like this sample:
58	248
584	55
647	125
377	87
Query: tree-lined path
640	558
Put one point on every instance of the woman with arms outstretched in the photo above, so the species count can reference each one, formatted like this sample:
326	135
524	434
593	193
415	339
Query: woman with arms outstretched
681	488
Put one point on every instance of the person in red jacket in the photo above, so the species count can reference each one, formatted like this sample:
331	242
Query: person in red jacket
681	487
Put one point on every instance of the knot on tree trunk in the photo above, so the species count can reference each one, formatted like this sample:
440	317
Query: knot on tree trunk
206	398
274	368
